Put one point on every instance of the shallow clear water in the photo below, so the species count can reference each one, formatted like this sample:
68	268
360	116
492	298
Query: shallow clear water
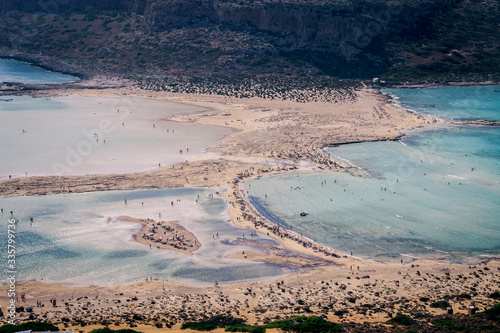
75	135
449	102
434	194
73	240
21	72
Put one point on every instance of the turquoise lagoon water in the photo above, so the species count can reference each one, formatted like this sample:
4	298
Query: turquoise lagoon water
21	72
449	102
75	135
76	238
434	194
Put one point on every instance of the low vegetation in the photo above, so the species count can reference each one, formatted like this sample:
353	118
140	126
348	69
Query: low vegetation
402	319
211	323
440	304
32	325
231	324
245	328
108	330
305	324
492	313
449	324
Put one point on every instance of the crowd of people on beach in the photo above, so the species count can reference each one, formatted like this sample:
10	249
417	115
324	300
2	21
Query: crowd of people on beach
301	92
249	214
316	156
170	236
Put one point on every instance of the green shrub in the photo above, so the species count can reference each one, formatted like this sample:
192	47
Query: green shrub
420	315
305	324
213	322
108	330
245	328
31	325
494	295
489	327
340	312
493	313
449	324
402	319
440	304
198	326
136	317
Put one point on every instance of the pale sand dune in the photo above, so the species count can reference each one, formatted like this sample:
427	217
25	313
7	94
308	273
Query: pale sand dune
267	133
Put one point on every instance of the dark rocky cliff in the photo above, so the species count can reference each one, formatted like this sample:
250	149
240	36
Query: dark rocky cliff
58	6
333	35
417	39
340	27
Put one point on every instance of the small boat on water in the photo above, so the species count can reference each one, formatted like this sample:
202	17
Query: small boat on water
303	213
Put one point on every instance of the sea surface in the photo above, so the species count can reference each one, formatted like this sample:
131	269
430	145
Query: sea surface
78	135
433	194
76	238
21	72
451	102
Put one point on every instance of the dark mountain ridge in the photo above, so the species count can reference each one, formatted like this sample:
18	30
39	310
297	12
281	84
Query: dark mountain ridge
347	39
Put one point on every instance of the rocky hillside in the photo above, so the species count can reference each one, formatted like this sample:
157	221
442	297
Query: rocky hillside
168	41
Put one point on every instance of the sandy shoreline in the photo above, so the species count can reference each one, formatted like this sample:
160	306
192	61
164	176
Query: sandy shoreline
268	134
